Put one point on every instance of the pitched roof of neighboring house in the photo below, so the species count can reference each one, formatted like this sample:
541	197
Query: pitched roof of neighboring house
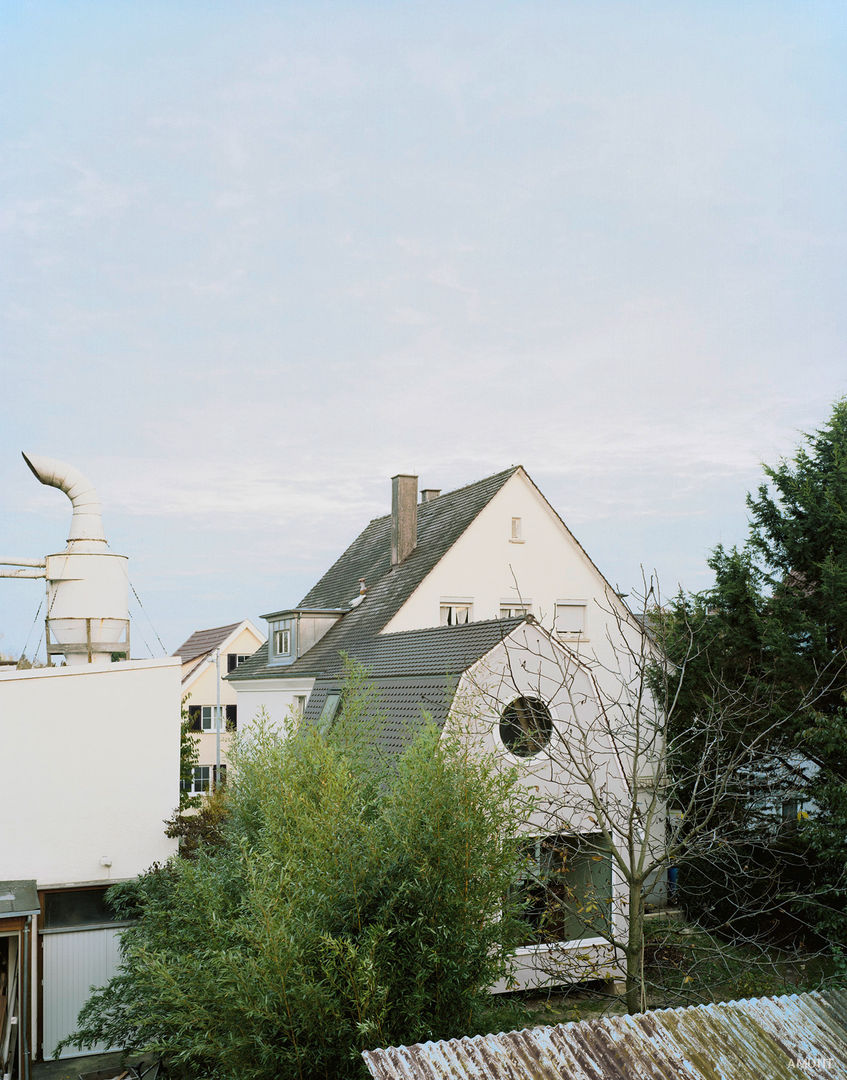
204	641
778	1037
441	522
413	673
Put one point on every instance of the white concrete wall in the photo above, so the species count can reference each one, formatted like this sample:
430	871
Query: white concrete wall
90	759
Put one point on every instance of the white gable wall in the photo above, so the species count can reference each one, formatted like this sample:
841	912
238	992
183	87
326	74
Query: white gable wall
528	664
547	566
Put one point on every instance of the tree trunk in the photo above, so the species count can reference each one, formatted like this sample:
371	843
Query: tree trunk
636	998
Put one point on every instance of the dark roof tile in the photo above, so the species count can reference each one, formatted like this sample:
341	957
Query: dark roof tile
440	524
203	641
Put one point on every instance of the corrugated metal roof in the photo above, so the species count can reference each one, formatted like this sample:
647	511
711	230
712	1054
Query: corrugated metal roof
779	1038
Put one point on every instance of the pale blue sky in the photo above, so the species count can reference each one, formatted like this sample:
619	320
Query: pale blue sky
256	258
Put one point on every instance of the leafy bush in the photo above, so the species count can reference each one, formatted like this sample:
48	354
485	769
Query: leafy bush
350	904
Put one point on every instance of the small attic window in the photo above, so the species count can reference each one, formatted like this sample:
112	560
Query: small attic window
517	531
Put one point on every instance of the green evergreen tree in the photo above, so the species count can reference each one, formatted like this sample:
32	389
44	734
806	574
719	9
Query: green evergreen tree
772	631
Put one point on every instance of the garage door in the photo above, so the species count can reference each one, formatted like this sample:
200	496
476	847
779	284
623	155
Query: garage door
74	961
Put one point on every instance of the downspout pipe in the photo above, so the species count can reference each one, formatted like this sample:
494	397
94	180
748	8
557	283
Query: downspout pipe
86	522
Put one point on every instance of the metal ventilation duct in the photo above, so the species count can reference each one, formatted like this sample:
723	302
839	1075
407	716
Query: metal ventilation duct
87	585
86	523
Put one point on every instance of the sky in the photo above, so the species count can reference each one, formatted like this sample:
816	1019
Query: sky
257	258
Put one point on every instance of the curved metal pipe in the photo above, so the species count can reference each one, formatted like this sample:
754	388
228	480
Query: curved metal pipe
86	523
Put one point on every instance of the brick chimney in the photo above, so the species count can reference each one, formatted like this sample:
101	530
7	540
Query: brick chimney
404	517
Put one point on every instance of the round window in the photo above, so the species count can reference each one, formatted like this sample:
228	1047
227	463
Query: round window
526	726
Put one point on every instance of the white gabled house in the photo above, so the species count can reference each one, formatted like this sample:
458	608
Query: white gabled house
479	610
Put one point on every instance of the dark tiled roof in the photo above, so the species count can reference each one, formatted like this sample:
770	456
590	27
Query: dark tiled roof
203	641
397	708
439	650
413	673
440	524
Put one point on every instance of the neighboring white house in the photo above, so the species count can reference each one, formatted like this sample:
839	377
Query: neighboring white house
479	609
207	656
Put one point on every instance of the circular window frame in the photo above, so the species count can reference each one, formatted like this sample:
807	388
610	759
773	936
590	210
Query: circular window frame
523	739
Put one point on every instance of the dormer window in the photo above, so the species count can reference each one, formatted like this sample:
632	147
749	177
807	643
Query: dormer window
292	632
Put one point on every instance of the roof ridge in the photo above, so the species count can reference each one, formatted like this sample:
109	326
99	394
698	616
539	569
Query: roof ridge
455	491
514	619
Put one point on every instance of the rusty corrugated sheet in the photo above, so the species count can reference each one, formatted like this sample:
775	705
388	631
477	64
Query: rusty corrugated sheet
782	1038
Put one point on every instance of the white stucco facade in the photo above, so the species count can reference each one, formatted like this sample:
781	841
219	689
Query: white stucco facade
529	664
281	702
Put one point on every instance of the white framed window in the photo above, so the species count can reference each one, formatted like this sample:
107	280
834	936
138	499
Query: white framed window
282	641
456	613
202	779
207	718
233	660
517	531
510	610
570	618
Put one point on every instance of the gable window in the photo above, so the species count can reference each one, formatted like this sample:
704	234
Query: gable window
517	531
282	642
233	660
564	885
456	614
570	618
508	610
526	726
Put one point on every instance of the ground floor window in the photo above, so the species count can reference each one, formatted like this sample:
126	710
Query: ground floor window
204	778
565	887
77	907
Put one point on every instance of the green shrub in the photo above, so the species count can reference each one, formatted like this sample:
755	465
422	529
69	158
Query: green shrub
350	904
